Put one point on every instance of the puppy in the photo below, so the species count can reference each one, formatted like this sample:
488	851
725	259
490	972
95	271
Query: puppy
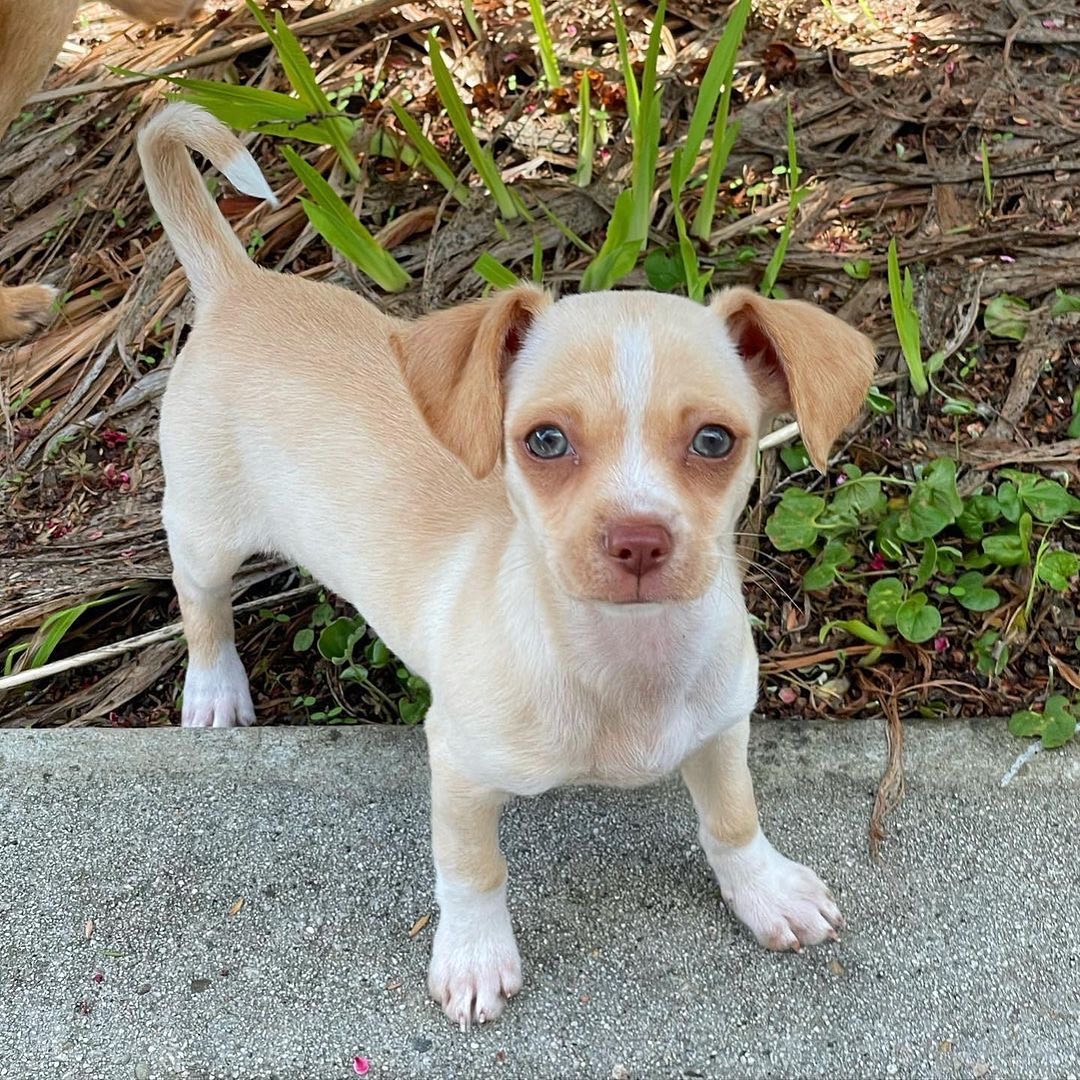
31	33
535	504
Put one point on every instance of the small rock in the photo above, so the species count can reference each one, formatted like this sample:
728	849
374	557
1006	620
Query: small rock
144	989
421	1044
620	1072
142	1071
980	1070
199	985
836	967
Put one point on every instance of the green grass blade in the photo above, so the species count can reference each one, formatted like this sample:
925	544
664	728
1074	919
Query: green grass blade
618	255
906	321
471	19
338	226
717	77
52	633
537	260
494	272
547	47
795	196
583	176
647	135
429	155
988	183
481	159
629	82
718	156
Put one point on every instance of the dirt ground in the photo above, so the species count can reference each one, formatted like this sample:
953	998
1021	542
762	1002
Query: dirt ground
891	113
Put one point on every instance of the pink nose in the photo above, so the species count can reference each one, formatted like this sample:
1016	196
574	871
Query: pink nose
638	548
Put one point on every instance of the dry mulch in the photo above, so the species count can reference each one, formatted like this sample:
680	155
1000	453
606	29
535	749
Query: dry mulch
890	117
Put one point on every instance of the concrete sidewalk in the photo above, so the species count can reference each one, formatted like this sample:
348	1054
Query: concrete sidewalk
125	951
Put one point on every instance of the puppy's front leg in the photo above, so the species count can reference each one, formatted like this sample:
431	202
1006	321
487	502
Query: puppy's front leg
475	965
784	904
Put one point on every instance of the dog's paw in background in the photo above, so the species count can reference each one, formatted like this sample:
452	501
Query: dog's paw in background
217	695
25	309
475	965
784	904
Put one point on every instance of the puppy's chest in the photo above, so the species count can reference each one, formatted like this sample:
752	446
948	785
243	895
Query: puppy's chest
631	740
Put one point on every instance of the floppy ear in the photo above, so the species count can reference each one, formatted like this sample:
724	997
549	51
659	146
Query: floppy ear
453	363
803	360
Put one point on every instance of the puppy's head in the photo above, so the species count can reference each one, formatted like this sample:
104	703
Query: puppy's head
628	421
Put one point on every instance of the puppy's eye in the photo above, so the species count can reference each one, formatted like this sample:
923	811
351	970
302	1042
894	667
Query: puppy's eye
547	442
712	441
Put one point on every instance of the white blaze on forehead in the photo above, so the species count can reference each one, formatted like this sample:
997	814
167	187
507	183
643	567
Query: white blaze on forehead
637	481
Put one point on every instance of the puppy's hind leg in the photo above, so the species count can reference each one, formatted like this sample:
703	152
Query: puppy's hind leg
216	690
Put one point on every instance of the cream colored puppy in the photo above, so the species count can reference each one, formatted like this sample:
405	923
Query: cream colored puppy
533	502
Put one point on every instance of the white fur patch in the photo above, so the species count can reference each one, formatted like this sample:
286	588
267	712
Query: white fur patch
784	905
246	176
637	483
218	695
475	964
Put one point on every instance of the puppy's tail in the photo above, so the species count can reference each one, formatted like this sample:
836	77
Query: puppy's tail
203	240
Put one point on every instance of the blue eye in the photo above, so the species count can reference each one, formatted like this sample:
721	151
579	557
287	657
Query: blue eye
547	442
712	441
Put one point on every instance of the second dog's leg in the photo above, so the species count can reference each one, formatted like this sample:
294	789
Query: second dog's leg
784	904
216	690
475	964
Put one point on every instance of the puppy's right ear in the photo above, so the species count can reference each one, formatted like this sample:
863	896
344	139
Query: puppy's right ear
453	363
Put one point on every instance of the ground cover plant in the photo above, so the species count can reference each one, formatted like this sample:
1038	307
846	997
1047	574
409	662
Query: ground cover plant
871	157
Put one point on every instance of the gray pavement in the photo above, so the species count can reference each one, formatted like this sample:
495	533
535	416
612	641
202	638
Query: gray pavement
123	952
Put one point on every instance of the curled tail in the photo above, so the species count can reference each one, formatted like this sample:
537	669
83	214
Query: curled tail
203	240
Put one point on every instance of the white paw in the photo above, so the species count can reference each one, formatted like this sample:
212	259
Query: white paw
784	904
475	964
217	696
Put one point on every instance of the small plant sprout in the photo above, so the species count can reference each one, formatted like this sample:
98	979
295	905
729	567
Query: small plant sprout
547	48
481	158
988	183
497	275
628	228
332	219
583	175
906	320
429	155
715	85
795	196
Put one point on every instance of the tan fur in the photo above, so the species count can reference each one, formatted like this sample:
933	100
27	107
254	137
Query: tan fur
812	363
389	459
31	34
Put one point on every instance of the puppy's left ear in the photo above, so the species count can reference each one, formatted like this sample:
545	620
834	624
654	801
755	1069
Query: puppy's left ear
803	360
453	363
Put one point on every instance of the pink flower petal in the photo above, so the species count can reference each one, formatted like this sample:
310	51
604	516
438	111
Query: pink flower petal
361	1065
787	695
941	643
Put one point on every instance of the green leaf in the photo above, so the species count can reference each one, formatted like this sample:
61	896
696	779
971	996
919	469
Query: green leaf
629	82
859	499
822	574
973	593
494	272
1065	303
547	48
1046	499
619	252
906	320
480	157
979	511
1012	548
1073	430
303	639
335	641
859	269
1007	316
1057	569
1009	501
1024	723
429	155
927	565
586	136
338	225
917	619
933	504
886	539
879	402
795	457
664	271
1060	724
792	526
883	600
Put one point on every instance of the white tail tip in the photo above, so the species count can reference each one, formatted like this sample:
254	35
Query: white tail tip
246	176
